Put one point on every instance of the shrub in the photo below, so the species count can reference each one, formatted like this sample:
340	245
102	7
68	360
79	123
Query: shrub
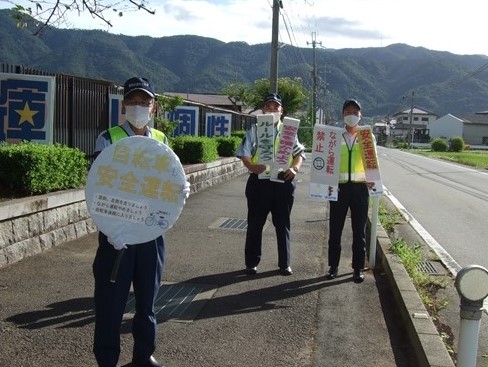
457	144
39	169
439	145
193	149
227	146
238	133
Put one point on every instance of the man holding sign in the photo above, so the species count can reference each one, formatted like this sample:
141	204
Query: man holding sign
269	141
136	189
352	194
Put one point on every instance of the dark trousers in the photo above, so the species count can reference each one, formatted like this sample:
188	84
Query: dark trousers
263	197
353	196
141	265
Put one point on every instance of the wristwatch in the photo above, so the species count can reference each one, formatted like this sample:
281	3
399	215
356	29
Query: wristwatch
295	168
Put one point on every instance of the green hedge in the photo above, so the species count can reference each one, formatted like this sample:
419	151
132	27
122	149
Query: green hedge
238	133
33	169
227	146
38	169
191	149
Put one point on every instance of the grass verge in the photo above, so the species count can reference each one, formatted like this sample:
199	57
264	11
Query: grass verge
478	159
412	255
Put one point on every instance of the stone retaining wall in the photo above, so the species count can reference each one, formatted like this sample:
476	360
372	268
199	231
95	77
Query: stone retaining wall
32	225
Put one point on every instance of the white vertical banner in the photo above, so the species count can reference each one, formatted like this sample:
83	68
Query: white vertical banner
366	141
325	167
265	143
284	152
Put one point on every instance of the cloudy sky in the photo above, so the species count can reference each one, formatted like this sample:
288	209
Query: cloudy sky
458	27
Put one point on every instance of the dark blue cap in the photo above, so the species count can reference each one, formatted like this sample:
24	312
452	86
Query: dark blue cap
138	83
273	97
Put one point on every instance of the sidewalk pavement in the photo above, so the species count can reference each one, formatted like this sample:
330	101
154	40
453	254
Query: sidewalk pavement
211	314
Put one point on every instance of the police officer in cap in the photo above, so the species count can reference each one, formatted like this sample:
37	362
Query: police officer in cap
141	264
265	196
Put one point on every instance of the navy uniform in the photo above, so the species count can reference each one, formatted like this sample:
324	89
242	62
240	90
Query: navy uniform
265	196
141	265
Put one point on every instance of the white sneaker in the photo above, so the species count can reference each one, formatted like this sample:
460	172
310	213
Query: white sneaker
286	271
251	271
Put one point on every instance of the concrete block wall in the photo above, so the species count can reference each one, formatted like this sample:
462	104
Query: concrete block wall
32	225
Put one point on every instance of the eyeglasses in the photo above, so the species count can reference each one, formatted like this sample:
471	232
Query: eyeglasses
143	103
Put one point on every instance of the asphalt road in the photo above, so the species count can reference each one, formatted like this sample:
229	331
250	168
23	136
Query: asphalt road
450	201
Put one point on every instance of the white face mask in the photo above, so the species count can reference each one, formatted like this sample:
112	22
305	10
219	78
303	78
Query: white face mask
138	116
351	120
276	116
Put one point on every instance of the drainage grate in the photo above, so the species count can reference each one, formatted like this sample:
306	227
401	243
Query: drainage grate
427	267
177	301
229	223
233	223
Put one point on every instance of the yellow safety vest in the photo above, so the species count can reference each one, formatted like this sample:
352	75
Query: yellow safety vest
352	167
117	132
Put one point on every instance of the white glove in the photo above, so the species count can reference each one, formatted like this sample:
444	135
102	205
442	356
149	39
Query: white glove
186	190
117	243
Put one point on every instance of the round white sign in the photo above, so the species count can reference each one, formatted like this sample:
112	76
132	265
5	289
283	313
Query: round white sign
134	189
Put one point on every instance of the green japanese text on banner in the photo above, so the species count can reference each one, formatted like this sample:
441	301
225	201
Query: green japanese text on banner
265	137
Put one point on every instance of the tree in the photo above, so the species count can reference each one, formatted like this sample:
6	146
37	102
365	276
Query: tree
47	13
291	91
166	104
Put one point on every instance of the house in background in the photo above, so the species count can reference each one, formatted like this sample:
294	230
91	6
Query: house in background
414	120
473	129
446	127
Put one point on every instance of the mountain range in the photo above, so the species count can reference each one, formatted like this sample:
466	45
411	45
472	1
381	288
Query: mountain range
386	80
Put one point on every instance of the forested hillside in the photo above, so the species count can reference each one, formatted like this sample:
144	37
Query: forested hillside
381	78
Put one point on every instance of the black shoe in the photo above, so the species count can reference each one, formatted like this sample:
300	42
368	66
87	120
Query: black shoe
151	362
286	271
332	273
251	271
358	276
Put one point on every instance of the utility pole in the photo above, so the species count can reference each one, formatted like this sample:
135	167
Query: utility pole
411	126
273	73
314	79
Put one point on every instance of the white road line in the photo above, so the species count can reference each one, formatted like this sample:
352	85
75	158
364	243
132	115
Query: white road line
443	255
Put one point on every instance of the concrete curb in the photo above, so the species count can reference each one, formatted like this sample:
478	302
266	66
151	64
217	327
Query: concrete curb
423	335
